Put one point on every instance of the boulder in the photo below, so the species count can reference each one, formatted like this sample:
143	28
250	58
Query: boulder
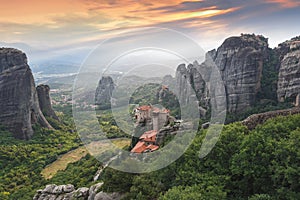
67	192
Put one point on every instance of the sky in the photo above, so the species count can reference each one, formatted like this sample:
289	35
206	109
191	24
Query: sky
66	27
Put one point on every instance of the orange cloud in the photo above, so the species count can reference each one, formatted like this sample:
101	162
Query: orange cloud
104	15
70	21
286	3
130	13
36	11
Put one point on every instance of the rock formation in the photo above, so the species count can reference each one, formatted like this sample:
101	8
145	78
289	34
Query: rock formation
286	47
190	85
68	192
289	72
240	61
104	91
45	101
19	106
183	85
252	121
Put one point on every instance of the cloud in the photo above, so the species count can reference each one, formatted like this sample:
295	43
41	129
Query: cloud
286	3
89	22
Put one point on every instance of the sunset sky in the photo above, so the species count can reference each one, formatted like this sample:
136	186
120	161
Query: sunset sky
62	25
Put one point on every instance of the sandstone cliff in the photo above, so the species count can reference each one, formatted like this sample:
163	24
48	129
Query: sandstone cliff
43	92
104	91
19	107
240	61
190	85
289	72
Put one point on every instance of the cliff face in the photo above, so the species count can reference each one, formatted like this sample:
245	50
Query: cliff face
289	72
18	98
104	91
182	87
240	61
190	85
45	101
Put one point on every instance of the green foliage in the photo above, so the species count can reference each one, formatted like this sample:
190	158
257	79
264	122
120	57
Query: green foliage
109	126
258	164
267	160
269	78
260	107
145	94
260	197
154	94
79	174
7	137
21	162
116	181
195	192
145	187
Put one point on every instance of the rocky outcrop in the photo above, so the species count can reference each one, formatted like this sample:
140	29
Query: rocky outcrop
289	72
190	85
286	47
166	98
252	121
183	90
240	61
19	106
104	91
43	92
68	192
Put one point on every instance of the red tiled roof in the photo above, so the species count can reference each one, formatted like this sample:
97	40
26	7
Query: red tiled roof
157	110
154	109
164	87
166	111
141	147
149	136
152	147
144	108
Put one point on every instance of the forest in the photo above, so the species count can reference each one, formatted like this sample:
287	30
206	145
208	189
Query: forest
257	165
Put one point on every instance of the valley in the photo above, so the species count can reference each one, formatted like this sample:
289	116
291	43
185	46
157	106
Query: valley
255	157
